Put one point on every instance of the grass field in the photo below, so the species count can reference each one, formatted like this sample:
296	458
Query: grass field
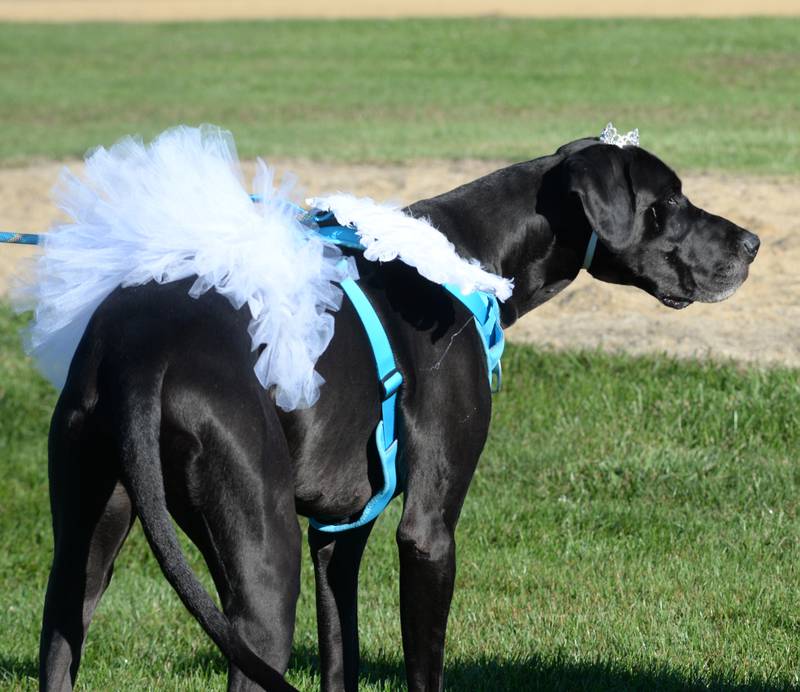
633	526
718	94
634	523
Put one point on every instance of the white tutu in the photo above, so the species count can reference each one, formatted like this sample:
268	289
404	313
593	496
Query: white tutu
178	208
386	233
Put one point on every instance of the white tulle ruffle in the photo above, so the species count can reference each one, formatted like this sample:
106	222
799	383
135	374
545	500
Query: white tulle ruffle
387	233
177	208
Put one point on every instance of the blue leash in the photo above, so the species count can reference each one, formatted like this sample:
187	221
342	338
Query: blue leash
19	238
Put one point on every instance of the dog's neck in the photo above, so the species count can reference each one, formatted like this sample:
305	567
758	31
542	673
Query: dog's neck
518	224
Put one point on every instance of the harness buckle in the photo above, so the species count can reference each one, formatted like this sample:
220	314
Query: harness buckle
496	378
390	383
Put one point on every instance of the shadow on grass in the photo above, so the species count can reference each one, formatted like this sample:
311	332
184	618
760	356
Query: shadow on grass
533	673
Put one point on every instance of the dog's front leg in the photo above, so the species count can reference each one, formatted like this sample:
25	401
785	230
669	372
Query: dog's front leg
439	472
427	547
337	558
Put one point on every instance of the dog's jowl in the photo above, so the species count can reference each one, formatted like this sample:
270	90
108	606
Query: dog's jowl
233	412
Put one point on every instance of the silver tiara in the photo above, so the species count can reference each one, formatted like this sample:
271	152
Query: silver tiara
610	136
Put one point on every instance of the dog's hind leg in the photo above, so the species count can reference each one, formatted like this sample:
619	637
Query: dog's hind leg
337	558
92	515
256	579
235	501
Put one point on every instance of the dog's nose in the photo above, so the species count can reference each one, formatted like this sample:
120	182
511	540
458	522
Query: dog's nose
750	244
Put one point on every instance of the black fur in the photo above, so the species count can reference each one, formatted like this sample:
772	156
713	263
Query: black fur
161	411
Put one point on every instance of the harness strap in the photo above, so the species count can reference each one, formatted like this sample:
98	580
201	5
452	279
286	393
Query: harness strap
330	230
486	311
385	434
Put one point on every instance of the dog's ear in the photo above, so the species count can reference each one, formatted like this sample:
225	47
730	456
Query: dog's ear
600	178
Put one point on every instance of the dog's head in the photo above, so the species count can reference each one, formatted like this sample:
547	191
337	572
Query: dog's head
650	235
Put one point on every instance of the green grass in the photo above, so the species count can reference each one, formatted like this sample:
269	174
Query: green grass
633	525
707	94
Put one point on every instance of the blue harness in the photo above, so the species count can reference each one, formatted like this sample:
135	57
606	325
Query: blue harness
486	313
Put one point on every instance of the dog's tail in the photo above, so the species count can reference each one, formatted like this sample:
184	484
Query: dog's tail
139	411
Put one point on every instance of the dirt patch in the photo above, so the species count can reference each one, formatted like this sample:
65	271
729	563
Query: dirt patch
760	323
157	10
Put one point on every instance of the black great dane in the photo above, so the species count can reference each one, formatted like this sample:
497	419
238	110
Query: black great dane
161	415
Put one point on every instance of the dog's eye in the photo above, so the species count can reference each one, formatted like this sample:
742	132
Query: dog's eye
673	200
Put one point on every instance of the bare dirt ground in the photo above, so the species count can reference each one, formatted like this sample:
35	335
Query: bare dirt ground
158	10
760	323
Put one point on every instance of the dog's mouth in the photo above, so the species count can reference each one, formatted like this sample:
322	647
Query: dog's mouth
674	302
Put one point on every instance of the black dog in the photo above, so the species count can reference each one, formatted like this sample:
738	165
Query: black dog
161	414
